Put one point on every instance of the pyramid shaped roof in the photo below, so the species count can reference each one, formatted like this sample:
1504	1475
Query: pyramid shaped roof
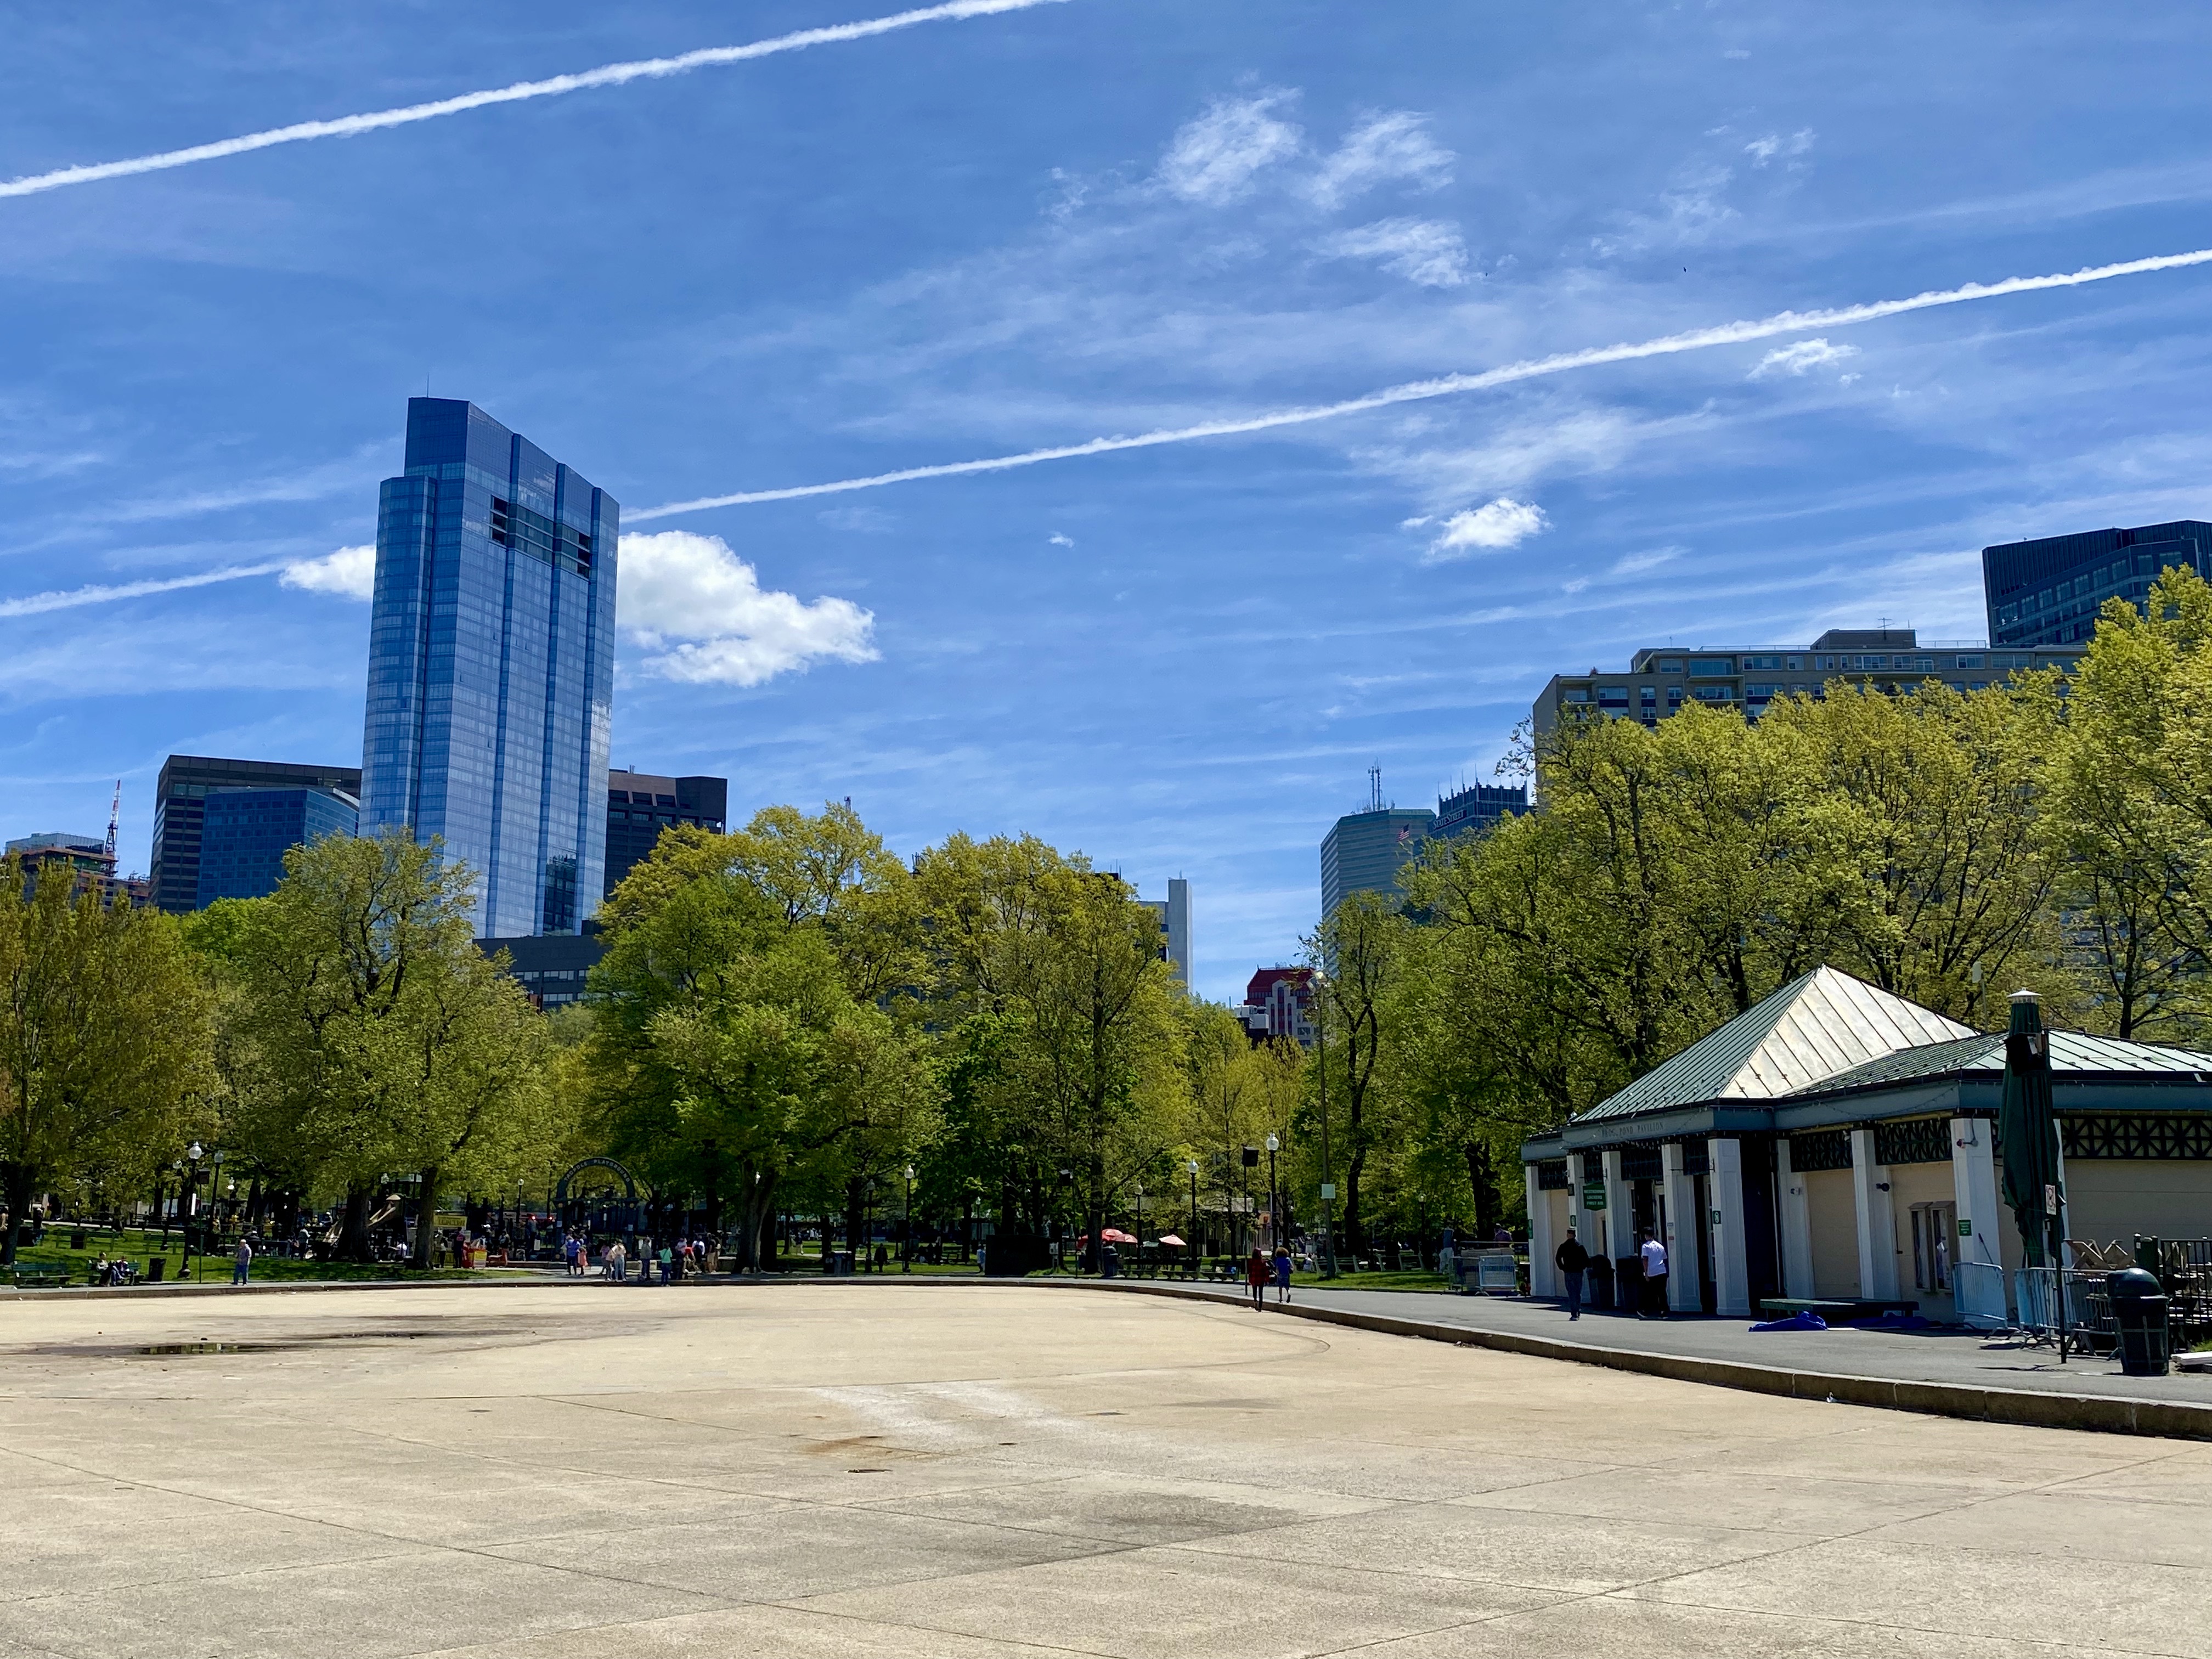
1819	1025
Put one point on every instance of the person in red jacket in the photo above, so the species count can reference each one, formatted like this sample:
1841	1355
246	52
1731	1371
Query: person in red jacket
1256	1275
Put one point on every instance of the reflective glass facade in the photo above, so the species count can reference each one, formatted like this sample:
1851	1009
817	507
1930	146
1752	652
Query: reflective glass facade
2049	591
181	797
245	833
491	666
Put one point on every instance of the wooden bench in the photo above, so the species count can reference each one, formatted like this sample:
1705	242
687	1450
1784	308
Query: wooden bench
39	1275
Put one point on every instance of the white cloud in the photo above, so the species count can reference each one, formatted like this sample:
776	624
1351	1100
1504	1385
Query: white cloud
1386	147
1424	250
1058	540
702	609
1763	150
1633	563
1800	357
350	573
1213	160
1575	586
1488	528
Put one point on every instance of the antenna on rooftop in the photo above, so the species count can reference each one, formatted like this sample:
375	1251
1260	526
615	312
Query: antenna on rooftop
1374	788
114	816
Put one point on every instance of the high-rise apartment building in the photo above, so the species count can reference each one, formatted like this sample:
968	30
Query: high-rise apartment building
1174	912
2047	592
1658	681
84	858
491	666
245	833
179	806
640	805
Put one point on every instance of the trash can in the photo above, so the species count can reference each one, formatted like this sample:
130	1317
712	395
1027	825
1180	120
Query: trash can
2139	1318
155	1266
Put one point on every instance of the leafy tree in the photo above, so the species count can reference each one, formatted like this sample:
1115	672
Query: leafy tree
1362	950
742	1038
105	1040
391	1042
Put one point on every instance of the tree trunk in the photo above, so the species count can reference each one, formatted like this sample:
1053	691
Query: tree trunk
1353	1231
759	1208
856	1193
353	1230
16	1181
426	1217
1482	1177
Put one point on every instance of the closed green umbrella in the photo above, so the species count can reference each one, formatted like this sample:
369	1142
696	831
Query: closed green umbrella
2028	1135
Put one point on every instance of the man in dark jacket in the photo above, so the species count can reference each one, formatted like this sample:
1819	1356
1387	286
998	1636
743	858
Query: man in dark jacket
1571	1259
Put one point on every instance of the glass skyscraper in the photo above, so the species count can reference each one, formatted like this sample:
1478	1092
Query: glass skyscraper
491	666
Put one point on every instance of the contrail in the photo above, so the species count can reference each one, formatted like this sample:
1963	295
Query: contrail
1784	322
612	75
68	599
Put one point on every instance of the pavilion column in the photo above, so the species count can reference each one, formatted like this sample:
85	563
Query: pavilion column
1578	1217
1796	1225
1877	1219
1541	1244
1731	1261
1979	1289
1682	1239
1620	1208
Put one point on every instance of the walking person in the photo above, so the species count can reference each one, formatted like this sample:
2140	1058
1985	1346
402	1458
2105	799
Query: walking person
241	1262
616	1259
667	1262
1573	1261
1257	1275
1654	1300
1282	1273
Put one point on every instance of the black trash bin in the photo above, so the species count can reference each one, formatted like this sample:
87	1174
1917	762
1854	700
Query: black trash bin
2139	1316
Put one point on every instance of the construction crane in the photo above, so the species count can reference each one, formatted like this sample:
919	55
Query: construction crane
114	816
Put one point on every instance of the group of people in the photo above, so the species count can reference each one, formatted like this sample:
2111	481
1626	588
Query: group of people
675	1262
1573	1259
1260	1269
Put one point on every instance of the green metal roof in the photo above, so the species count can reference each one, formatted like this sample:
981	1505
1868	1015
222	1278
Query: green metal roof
2071	1051
1817	1026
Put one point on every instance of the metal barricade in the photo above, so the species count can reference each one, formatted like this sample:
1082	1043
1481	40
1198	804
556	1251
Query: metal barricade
1977	1289
2086	1318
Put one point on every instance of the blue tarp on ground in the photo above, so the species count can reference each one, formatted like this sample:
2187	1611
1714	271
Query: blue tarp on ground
1804	1320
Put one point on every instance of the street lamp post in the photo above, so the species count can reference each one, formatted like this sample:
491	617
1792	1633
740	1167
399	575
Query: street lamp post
1328	1186
185	1208
1192	1243
906	1253
1274	1192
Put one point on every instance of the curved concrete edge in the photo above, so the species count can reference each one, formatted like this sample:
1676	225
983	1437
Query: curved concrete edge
2029	1407
280	1287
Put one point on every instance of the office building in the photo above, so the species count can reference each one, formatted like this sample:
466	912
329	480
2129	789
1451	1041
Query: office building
491	666
245	833
1472	810
2047	592
1278	1003
1363	852
1174	912
1658	681
179	797
552	968
640	805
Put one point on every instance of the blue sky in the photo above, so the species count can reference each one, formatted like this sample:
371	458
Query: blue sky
973	237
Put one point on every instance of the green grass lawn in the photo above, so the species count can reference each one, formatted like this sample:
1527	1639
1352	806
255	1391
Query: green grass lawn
141	1246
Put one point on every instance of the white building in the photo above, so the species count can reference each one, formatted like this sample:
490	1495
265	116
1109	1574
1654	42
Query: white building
1837	1141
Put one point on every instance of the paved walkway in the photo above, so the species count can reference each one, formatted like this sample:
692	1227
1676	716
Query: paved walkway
1014	1472
1968	1358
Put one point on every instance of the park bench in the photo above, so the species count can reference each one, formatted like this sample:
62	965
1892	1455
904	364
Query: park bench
1836	1309
39	1275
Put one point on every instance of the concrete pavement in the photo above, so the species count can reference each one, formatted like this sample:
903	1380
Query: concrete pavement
970	1469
